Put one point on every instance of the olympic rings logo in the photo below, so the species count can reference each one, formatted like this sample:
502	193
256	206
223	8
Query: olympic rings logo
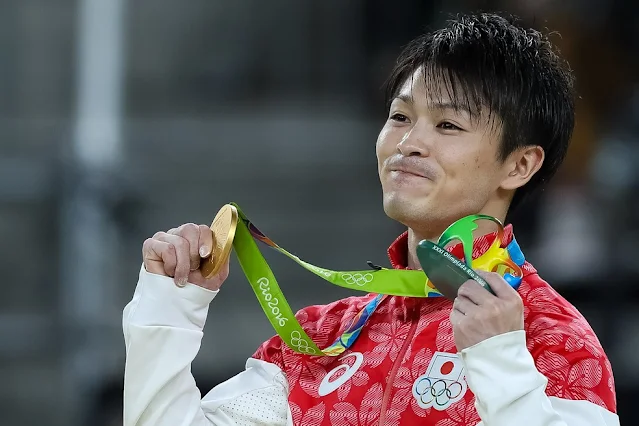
357	279
300	343
438	393
317	270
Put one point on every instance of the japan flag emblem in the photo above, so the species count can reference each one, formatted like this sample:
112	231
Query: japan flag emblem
443	383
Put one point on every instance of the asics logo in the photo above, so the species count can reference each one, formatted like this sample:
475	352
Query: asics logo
327	385
357	279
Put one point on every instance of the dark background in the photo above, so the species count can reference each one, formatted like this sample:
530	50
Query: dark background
121	118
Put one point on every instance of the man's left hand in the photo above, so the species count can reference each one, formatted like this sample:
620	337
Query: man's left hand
478	315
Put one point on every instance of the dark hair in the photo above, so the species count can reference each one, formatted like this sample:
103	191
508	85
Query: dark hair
489	61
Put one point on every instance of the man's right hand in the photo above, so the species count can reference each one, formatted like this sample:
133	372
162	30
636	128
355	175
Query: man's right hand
177	253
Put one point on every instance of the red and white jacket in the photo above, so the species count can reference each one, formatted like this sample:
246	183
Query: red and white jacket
403	369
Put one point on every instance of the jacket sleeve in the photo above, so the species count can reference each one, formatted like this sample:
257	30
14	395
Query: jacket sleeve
555	389
162	332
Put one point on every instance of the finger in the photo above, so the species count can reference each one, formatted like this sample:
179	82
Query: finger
212	283
499	285
181	247
159	257
475	293
206	241
464	305
191	233
456	317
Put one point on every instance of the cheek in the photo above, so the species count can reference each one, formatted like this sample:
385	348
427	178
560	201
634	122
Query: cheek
467	172
384	147
478	175
479	163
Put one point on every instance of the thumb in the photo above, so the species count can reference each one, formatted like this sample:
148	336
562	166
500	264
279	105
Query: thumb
213	283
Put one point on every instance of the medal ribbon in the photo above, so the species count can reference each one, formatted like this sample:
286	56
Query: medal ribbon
382	281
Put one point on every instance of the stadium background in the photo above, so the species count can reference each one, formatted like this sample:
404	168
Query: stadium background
120	118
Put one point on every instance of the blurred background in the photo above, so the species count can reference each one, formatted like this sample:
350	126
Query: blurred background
121	118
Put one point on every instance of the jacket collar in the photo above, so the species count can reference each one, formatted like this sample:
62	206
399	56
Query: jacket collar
398	250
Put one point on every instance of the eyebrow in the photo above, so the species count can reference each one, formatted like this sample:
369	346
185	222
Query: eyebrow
455	106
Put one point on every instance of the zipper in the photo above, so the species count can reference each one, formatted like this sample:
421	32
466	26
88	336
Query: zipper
396	365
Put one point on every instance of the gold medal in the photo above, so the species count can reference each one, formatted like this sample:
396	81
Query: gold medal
223	228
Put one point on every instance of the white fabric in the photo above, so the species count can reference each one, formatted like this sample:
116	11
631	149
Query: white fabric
163	330
510	390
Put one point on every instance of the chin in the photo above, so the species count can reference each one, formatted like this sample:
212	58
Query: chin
419	214
408	211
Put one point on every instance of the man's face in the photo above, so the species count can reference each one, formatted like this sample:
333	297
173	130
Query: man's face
436	162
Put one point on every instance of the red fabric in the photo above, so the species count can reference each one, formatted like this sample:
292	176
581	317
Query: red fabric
406	335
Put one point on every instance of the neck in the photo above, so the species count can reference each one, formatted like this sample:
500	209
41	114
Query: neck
413	240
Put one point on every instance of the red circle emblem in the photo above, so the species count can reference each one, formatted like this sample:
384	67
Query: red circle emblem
446	368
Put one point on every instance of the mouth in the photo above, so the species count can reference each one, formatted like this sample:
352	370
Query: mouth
410	170
407	173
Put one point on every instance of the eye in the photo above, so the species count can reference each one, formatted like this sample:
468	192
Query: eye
401	118
447	125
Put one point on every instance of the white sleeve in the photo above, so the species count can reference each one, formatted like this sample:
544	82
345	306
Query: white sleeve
509	390
162	332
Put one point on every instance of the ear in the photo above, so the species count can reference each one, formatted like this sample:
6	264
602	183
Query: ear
521	166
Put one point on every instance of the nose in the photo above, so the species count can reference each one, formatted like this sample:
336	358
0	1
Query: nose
413	144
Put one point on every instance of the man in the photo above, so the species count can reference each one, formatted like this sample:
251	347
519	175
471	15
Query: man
480	114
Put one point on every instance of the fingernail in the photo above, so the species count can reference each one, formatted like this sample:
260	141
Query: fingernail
182	281
204	251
